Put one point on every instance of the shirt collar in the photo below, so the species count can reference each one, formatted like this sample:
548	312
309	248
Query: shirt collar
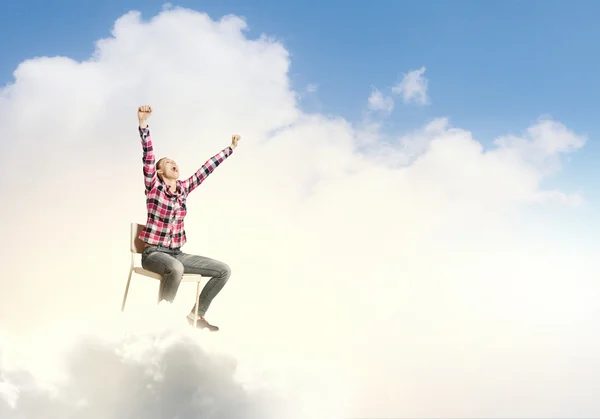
166	189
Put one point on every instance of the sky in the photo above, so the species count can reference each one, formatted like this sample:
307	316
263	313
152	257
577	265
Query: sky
410	216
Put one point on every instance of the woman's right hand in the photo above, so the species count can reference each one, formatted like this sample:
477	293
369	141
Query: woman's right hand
144	112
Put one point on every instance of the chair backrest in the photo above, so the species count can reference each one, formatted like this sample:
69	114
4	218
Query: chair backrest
137	245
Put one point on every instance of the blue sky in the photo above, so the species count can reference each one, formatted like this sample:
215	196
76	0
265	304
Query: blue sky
493	67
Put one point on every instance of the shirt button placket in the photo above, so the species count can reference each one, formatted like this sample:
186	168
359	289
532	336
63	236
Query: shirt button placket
170	224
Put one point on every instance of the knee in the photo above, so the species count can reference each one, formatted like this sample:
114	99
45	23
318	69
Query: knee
175	269
225	272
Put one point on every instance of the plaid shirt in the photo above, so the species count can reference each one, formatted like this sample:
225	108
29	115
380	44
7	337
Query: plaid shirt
166	210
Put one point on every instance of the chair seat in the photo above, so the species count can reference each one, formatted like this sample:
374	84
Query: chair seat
186	277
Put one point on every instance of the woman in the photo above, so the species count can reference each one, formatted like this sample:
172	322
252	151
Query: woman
164	233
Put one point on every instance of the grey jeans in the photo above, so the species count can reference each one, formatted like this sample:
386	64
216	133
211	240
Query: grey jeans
173	263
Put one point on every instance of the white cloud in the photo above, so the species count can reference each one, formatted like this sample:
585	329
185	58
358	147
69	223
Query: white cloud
413	87
139	378
379	102
161	372
571	200
405	268
542	142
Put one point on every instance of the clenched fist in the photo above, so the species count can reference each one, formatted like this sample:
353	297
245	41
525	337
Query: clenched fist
234	140
144	113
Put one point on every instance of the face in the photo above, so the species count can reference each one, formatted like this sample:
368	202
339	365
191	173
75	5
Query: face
168	169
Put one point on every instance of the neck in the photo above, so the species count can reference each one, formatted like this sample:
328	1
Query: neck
172	184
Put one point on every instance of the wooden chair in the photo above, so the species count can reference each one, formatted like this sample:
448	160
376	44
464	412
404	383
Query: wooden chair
136	246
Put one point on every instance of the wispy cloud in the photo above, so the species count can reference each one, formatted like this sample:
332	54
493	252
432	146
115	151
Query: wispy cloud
413	87
378	102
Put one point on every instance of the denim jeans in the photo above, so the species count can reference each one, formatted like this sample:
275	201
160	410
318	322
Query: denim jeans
173	263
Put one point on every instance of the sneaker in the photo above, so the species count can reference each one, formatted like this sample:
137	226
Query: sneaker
201	323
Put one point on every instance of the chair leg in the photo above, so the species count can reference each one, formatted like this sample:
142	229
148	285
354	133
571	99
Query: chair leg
197	304
126	290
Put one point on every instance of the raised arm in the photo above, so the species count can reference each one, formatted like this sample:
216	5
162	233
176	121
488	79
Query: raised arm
148	158
211	164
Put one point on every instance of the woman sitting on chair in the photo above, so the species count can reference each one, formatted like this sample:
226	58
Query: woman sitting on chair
164	233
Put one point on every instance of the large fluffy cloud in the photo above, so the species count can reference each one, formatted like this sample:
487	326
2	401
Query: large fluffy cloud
140	378
155	373
410	266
